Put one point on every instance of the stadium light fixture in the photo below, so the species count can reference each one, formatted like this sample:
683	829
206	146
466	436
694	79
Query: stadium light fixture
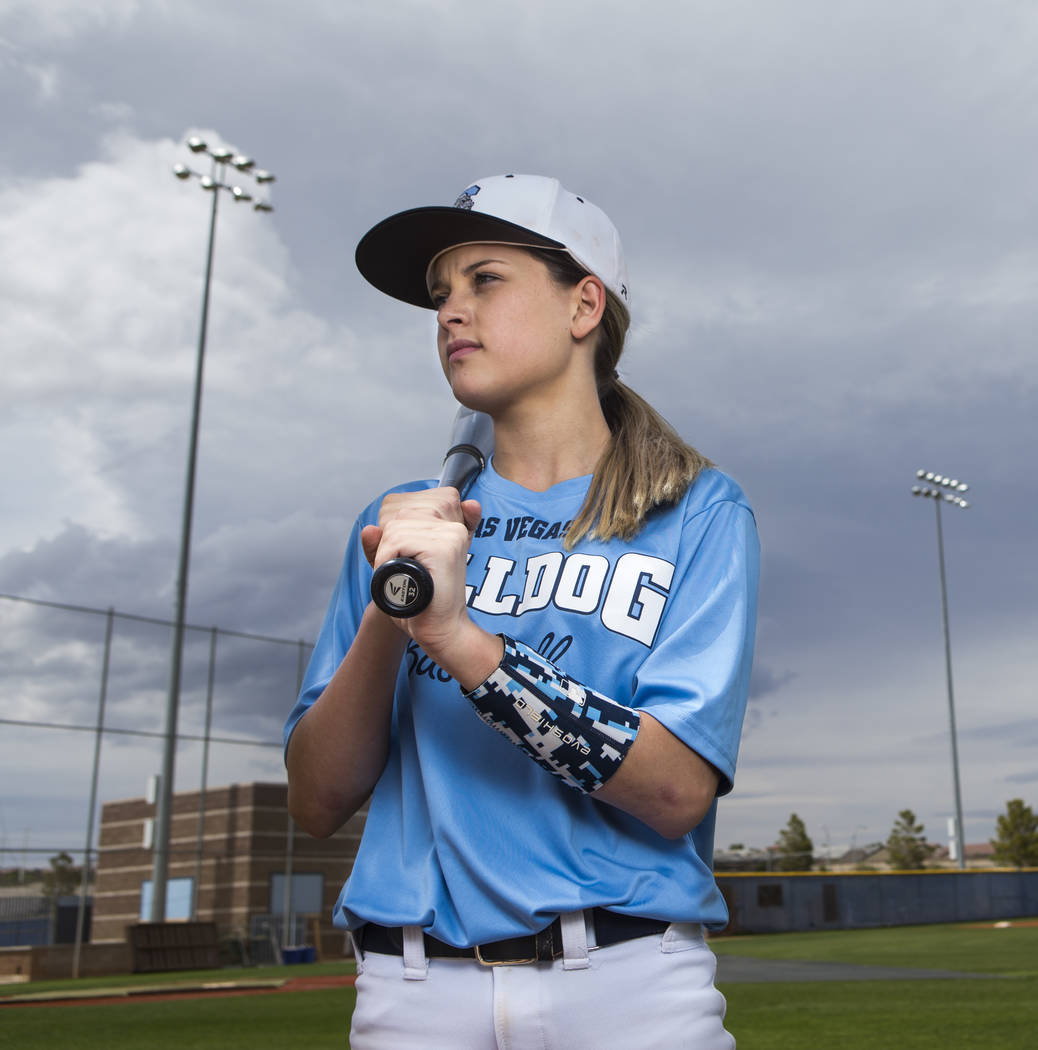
213	182
942	490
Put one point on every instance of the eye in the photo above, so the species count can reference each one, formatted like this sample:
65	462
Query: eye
482	278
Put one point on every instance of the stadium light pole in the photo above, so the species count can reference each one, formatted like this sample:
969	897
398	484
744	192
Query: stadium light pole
947	490
212	183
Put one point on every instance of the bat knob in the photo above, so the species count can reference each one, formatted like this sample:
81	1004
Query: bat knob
401	587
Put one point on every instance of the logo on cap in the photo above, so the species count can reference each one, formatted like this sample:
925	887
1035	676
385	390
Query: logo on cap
465	200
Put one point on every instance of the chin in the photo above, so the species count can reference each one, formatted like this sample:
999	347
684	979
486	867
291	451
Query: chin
479	400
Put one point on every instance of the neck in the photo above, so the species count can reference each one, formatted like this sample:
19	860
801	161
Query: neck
540	449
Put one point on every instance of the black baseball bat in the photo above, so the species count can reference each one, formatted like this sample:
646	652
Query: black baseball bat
402	586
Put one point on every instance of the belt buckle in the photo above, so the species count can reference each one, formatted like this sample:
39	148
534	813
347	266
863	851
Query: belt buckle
501	962
543	944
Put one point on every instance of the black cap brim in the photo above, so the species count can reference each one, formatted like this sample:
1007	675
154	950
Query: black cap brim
394	255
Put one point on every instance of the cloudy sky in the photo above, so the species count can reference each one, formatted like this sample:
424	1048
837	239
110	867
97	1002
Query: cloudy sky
830	213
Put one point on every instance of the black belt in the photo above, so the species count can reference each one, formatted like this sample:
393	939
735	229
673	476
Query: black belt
610	928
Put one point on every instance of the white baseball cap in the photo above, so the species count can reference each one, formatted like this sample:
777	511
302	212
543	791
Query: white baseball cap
529	210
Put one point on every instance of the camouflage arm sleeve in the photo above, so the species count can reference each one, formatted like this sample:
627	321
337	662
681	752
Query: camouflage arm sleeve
575	733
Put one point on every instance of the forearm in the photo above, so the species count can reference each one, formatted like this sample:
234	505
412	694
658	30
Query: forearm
594	744
662	782
339	748
470	654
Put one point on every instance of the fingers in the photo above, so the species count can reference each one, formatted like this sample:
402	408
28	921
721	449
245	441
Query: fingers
434	527
435	543
442	504
370	538
411	524
417	523
472	511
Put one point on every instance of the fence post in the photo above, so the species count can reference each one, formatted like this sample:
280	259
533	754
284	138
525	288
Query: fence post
85	878
287	918
205	774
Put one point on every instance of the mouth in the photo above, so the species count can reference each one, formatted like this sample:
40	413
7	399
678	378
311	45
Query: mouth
459	348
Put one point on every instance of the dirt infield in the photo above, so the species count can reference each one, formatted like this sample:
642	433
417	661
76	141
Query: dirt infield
167	992
1005	924
309	984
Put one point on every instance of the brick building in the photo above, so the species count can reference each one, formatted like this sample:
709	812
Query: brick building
246	848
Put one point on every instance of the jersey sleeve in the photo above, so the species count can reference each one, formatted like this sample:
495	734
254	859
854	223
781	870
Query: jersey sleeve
341	622
695	680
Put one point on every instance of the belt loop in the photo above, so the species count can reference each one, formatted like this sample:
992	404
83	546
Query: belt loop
357	953
589	928
574	941
416	962
679	936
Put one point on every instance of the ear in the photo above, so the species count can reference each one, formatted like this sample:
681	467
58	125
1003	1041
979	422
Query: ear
589	299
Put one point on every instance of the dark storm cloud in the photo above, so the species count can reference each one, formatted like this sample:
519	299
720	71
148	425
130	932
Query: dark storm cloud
1021	733
765	681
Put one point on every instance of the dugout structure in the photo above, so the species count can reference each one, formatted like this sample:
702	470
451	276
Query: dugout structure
792	901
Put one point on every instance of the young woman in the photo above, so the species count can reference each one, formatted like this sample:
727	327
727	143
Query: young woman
546	884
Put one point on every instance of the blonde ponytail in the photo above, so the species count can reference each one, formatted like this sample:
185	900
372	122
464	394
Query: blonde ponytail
646	463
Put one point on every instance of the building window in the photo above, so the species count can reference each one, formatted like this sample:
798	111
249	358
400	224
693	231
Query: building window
178	899
307	894
769	895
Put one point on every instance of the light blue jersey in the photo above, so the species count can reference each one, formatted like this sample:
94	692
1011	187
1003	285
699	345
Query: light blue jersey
467	836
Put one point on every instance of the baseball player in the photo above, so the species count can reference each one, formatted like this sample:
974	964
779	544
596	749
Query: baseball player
544	744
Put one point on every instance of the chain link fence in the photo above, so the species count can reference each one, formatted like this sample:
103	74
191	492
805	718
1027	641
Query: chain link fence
73	676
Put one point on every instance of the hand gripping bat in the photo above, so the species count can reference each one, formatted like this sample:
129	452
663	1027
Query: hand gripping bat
402	586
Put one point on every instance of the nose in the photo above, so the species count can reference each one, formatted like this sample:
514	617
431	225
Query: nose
452	311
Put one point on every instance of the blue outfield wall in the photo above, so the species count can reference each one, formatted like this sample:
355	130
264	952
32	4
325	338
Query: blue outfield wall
33	921
782	902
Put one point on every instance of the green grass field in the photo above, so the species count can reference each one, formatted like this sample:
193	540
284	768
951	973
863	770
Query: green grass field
999	1011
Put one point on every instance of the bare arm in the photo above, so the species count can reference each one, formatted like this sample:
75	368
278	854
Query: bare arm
662	782
339	747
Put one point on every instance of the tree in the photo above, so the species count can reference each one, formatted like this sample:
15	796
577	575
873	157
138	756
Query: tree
795	847
1016	844
906	844
63	879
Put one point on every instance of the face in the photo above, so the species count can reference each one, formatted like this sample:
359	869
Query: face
505	329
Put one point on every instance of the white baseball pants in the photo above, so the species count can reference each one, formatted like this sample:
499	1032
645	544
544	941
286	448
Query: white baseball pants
649	993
